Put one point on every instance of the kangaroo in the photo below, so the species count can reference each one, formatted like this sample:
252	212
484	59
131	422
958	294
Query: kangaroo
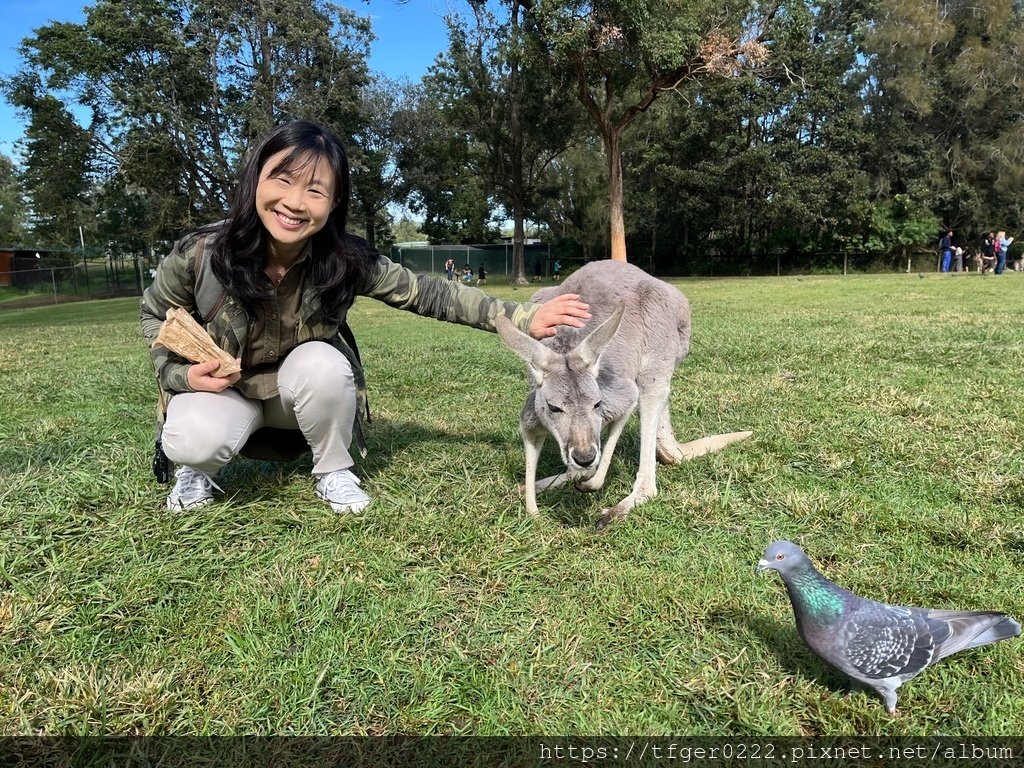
584	379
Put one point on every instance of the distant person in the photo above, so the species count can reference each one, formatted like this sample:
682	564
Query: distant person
556	270
288	274
467	274
481	276
538	270
988	253
1003	246
449	269
946	251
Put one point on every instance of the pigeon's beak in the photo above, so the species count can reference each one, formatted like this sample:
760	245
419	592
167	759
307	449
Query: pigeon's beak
762	566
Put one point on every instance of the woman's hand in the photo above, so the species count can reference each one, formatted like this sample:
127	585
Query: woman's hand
564	309
200	380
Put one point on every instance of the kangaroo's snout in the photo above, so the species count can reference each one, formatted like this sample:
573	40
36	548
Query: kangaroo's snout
583	457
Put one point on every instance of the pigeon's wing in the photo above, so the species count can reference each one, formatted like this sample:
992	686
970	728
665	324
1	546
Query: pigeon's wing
882	641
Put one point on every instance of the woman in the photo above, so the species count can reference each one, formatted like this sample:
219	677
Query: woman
289	273
1002	246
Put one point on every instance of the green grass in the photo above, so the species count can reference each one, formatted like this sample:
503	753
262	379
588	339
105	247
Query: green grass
887	413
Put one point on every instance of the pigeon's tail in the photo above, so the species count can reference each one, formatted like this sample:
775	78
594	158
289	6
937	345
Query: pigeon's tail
972	629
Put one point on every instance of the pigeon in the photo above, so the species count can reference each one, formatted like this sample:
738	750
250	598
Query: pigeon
875	644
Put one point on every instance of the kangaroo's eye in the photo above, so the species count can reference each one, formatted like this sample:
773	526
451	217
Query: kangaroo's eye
554	408
597	405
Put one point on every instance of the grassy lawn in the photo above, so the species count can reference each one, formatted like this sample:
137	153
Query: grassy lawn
888	420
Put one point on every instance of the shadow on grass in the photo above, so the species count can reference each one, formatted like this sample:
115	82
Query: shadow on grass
385	438
252	480
582	509
22	458
792	654
571	508
1016	546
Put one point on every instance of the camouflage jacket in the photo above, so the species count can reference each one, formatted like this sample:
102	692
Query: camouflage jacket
230	326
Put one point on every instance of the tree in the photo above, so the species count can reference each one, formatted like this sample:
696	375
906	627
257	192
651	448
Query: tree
376	179
578	213
754	169
405	230
175	90
514	137
946	80
13	210
57	169
624	54
432	159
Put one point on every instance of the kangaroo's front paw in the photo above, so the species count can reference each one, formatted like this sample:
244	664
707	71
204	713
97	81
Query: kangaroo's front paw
589	486
552	482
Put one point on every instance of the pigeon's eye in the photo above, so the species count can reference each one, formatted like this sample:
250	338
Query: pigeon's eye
780	556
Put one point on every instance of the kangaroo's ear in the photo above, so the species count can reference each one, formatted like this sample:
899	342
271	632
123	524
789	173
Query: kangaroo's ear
538	357
590	348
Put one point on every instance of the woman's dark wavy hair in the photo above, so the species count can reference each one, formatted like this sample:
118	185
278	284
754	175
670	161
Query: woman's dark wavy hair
339	262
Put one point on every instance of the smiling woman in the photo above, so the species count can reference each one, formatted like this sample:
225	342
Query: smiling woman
294	197
286	273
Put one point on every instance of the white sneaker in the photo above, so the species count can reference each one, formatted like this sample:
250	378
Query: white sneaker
192	489
341	490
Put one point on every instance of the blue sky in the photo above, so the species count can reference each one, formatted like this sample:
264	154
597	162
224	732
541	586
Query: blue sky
409	36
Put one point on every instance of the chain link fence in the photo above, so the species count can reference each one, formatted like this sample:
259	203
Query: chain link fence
58	278
496	259
45	280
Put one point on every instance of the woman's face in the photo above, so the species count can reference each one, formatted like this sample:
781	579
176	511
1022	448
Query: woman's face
293	204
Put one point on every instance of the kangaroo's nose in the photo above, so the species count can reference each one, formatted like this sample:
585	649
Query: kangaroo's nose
584	457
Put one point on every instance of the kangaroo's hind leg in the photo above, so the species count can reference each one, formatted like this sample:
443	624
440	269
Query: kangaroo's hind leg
669	450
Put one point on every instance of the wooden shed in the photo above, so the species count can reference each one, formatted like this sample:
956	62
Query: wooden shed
24	266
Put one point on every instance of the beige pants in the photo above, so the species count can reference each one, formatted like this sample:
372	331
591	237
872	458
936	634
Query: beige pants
205	430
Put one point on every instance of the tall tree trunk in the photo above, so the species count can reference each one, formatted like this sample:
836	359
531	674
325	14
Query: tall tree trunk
371	226
371	235
518	187
654	234
518	239
616	217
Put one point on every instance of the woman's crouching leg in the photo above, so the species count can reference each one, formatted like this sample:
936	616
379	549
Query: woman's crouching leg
317	384
318	387
205	430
